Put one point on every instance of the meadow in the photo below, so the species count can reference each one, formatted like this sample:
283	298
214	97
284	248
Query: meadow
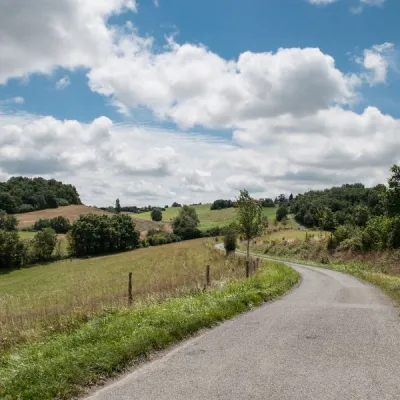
59	295
208	218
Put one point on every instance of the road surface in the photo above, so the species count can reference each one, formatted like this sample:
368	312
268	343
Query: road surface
331	338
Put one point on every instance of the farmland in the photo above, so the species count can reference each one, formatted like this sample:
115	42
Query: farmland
208	218
63	293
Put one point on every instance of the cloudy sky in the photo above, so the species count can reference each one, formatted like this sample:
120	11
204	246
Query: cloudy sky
156	101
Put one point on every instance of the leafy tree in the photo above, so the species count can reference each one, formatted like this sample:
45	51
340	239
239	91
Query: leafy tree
12	250
267	202
43	244
230	240
175	204
60	224
251	220
221	204
394	238
282	212
309	219
361	215
186	223
291	197
8	222
7	203
393	193
156	214
117	206
326	219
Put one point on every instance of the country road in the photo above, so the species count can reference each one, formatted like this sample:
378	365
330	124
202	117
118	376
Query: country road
331	338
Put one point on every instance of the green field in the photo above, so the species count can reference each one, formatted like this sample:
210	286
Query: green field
208	219
26	235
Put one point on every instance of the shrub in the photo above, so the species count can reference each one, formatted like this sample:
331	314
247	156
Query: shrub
43	245
186	223
282	212
12	250
158	237
63	202
99	234
8	222
156	214
230	241
24	208
60	224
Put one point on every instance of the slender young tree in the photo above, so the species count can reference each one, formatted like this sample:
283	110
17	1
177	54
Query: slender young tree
251	220
117	206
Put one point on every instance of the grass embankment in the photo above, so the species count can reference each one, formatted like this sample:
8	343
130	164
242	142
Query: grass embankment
57	296
208	218
61	366
378	268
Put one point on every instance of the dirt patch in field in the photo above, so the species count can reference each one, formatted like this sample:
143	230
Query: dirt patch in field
72	213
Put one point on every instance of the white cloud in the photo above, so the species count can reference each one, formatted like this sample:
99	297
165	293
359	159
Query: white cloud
356	10
13	100
63	83
38	36
377	61
257	85
142	165
322	2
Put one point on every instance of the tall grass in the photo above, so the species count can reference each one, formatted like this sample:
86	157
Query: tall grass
59	296
60	367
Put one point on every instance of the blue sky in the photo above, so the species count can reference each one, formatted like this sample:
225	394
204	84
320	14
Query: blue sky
221	77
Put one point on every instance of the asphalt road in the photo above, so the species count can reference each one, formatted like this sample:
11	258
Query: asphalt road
333	337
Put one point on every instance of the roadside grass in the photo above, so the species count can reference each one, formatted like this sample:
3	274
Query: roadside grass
378	268
208	218
63	365
58	296
294	234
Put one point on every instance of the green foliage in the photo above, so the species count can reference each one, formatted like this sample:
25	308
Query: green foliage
21	194
99	234
43	245
251	220
156	215
267	203
393	194
117	206
158	237
326	219
394	238
13	252
230	240
186	223
282	212
60	224
175	204
221	204
8	222
361	215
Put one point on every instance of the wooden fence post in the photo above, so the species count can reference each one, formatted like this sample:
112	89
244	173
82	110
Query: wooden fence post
130	296
208	279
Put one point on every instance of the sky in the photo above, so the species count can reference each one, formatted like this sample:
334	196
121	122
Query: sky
190	101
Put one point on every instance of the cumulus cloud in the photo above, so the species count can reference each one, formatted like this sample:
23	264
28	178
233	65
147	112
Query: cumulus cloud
376	61
63	83
38	36
142	165
13	100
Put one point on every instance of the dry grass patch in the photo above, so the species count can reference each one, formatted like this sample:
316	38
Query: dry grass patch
57	296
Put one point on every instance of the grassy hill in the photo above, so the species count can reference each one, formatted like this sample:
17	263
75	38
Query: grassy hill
208	218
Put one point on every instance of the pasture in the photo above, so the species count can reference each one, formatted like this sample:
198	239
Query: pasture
208	218
60	295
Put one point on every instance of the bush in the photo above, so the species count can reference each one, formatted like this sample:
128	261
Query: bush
59	224
186	223
63	202
99	234
24	208
156	214
8	222
282	212
221	204
13	252
158	237
230	241
43	245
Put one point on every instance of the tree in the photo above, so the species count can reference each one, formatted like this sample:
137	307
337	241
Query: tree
361	215
230	240
291	197
7	203
12	250
8	222
251	220
175	204
117	206
156	214
186	223
393	193
282	212
43	244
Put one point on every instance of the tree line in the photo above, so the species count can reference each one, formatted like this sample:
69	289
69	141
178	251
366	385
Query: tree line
20	194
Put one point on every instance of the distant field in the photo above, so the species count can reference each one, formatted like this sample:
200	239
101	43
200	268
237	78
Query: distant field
293	234
208	218
72	213
57	295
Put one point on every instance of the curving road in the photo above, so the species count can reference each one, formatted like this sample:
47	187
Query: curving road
331	338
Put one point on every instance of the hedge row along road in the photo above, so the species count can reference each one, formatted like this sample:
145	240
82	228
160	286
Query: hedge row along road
333	337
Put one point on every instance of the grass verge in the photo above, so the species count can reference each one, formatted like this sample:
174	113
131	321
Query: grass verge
63	365
389	284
